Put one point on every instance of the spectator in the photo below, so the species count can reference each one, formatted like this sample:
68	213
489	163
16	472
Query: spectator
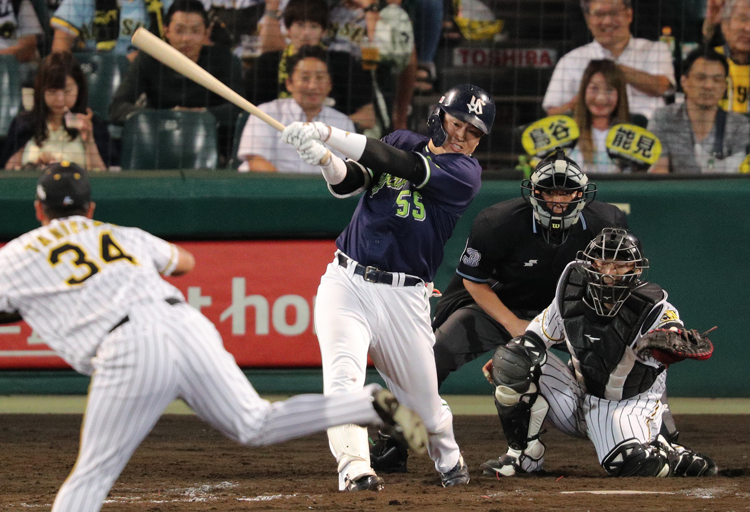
697	136
602	103
20	27
306	21
735	25
355	23
309	82
186	29
105	26
428	27
647	65
60	127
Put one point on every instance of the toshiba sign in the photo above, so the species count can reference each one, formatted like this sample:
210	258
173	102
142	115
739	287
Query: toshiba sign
508	57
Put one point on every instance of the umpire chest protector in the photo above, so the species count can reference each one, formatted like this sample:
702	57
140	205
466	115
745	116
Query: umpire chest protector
599	345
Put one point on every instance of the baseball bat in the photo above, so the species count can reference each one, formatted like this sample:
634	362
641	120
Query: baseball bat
170	56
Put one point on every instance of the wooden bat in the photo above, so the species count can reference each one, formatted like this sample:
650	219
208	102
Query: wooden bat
170	56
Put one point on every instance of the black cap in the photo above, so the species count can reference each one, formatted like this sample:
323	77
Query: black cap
64	185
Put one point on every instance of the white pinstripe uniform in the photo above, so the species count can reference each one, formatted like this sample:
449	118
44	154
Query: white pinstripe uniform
75	279
610	420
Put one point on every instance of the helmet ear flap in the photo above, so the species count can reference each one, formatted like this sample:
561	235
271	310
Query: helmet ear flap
435	127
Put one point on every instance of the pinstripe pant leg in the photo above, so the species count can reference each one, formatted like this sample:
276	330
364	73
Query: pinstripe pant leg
217	390
133	382
559	386
610	422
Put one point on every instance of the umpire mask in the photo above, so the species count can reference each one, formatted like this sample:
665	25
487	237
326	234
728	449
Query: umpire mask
557	192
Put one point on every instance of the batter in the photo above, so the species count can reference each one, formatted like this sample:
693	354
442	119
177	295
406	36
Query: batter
374	297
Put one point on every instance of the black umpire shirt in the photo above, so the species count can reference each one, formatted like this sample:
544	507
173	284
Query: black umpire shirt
506	249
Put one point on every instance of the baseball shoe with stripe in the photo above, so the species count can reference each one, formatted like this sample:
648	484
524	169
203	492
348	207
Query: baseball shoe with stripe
401	423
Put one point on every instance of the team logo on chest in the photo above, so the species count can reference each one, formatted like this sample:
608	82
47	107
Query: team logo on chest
475	105
386	180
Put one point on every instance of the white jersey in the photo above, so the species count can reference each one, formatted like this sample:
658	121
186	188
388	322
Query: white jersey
550	327
42	272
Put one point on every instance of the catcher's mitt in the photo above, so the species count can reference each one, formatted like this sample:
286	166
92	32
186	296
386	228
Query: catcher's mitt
674	345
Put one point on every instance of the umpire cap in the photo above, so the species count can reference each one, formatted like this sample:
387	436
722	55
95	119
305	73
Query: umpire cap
64	186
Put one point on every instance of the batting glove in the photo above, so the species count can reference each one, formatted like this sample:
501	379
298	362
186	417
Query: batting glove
297	133
313	152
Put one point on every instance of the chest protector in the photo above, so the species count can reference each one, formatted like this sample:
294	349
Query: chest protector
599	345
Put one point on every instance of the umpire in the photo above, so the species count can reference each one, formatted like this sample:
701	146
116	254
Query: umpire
516	252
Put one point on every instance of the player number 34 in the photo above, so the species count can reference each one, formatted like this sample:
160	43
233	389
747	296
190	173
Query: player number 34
415	207
110	251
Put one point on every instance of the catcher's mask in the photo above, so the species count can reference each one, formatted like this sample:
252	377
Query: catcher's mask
466	102
614	267
557	173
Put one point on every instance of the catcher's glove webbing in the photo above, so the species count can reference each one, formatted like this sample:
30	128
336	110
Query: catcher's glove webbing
673	345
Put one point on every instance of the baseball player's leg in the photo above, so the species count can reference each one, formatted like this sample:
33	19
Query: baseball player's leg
467	334
402	353
217	390
133	383
344	334
564	395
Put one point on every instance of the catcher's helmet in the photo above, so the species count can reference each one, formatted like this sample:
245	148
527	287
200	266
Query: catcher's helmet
466	102
606	293
557	172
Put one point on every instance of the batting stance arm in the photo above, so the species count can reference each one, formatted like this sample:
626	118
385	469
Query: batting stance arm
371	153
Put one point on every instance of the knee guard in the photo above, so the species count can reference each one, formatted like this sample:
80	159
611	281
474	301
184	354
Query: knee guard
516	368
633	458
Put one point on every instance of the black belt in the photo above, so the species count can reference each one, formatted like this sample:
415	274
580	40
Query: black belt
375	275
170	300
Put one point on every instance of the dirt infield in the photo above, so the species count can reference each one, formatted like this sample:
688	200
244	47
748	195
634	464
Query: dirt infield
185	465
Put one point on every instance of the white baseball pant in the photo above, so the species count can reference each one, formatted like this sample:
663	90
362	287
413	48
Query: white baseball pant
165	352
355	318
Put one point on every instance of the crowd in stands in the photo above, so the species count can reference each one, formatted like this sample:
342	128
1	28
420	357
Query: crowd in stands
356	64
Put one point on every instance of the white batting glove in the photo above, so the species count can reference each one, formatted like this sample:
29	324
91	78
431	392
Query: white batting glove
297	133
314	152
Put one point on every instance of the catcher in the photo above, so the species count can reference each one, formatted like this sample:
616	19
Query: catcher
622	335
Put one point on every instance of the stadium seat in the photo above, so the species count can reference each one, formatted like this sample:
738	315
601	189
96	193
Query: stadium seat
104	72
168	139
10	91
234	160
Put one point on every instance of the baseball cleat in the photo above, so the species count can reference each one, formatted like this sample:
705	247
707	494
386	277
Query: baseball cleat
516	462
401	423
365	483
459	475
684	461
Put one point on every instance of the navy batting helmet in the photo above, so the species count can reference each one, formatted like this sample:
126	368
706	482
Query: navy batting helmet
614	267
466	102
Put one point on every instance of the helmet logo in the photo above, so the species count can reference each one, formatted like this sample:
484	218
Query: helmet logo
475	105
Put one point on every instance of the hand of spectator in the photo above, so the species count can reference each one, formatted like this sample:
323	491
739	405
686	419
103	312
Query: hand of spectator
46	158
313	152
713	11
86	126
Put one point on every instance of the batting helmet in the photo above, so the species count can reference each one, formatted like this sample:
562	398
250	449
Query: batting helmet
614	267
466	102
557	173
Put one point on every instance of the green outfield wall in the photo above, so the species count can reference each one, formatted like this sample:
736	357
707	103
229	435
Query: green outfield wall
695	232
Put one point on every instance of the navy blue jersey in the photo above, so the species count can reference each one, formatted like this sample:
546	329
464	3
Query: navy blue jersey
401	226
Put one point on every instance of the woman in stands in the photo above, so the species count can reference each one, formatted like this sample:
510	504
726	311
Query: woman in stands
60	126
602	102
